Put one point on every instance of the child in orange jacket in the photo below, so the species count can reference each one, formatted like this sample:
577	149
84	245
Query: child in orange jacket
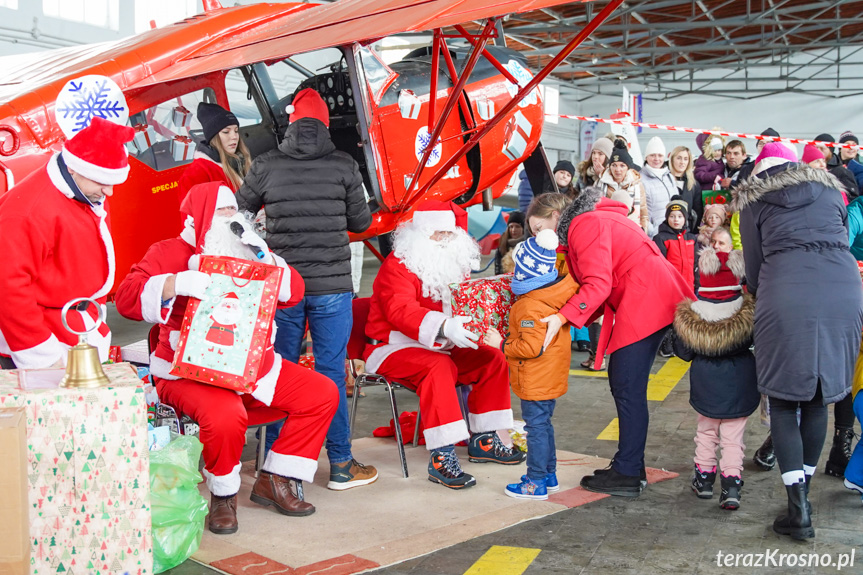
538	377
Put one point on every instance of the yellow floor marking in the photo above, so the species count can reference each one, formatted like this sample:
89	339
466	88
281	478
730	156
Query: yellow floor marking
587	373
611	432
662	382
499	560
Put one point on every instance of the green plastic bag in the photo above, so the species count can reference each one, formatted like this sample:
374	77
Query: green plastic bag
178	510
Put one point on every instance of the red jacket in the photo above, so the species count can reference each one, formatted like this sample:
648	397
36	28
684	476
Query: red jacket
202	170
400	316
621	274
55	249
678	247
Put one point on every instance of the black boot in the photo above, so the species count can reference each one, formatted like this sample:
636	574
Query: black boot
840	453
765	458
732	487
797	523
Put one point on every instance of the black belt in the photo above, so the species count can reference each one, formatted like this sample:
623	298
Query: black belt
80	306
373	341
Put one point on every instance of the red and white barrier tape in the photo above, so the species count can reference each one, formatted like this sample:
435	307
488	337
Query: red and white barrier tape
714	132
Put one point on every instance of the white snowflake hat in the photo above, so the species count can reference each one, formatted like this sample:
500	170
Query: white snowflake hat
535	262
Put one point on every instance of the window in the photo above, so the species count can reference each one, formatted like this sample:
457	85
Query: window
101	13
241	105
166	133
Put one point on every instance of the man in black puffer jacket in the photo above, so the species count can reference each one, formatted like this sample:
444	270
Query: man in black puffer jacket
312	195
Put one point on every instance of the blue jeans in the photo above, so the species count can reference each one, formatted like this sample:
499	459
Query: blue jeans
628	373
541	454
854	471
579	334
330	318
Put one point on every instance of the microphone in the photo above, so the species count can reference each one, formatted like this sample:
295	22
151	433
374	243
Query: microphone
238	230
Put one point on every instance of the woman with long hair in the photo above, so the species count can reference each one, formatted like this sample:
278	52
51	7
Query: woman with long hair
591	169
222	156
620	175
682	167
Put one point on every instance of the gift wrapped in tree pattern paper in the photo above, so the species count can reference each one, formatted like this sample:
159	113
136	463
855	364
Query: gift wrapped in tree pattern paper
89	482
487	300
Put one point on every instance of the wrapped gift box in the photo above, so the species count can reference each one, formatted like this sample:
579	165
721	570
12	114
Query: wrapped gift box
409	105
87	474
516	133
182	117
182	148
485	109
145	136
487	300
307	360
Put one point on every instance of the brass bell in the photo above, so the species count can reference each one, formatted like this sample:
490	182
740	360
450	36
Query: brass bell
83	368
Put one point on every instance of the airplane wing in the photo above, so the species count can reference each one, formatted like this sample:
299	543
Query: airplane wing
341	22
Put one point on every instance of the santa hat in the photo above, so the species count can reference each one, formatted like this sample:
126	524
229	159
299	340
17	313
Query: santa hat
774	154
200	206
717	209
230	295
534	262
655	146
309	104
720	275
433	216
810	154
98	153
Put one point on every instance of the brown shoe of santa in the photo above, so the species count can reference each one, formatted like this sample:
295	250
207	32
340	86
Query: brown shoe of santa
272	489
223	515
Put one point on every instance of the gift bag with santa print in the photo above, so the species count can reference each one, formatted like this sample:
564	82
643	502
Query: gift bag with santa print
223	337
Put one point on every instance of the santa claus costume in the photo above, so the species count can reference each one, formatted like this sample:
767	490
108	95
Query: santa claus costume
309	399
57	247
414	340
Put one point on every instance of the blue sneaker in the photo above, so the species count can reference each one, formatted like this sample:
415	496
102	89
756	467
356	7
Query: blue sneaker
551	484
528	489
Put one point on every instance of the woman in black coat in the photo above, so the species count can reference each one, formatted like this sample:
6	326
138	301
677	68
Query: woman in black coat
793	225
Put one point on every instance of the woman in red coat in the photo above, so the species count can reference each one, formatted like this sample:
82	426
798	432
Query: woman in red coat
222	156
623	276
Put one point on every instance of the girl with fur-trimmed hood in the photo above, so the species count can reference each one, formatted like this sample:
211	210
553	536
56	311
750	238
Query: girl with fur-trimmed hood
709	165
714	332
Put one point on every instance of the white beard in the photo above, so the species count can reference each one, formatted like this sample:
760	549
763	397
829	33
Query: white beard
227	315
436	264
221	241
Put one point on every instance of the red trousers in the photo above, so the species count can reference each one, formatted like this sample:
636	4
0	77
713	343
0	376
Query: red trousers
433	375
309	399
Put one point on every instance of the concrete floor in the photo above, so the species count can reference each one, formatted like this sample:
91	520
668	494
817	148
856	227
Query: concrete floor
666	530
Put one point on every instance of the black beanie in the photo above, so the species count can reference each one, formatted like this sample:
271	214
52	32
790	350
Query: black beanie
565	166
848	137
770	132
824	138
214	119
676	204
620	154
516	217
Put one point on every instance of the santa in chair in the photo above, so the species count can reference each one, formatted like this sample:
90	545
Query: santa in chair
412	338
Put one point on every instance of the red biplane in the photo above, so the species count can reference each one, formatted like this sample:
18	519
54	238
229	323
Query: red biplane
464	143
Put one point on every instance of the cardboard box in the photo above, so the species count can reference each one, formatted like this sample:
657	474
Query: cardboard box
14	506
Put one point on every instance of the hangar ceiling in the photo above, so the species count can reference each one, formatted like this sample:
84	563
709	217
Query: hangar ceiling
735	48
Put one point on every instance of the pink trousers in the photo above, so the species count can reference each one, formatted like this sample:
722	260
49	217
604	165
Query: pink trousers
724	433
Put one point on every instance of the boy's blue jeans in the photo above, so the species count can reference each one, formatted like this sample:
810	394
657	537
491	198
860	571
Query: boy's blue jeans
854	471
330	319
541	453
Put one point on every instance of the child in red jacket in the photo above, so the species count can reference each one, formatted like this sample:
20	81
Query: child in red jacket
675	242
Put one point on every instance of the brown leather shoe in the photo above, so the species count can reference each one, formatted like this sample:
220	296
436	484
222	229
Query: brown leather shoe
223	515
271	489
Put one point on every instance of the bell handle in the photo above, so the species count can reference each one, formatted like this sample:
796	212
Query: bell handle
100	320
